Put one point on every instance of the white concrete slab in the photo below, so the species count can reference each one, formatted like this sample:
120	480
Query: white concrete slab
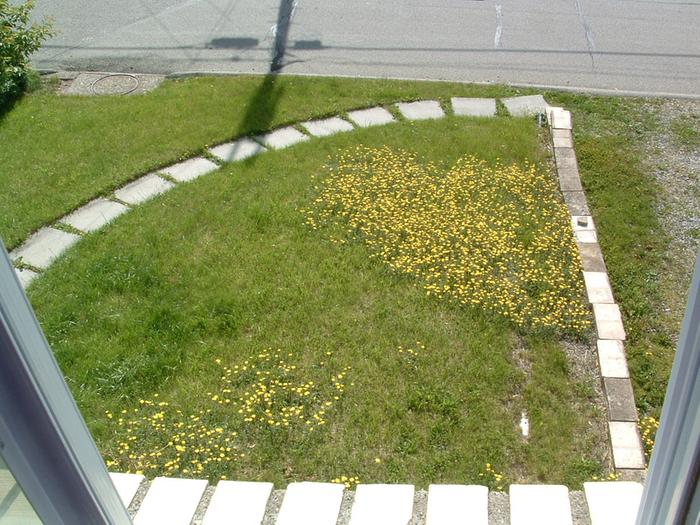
561	142
326	127
559	118
190	169
238	502
143	189
308	503
240	149
598	287
526	105
365	118
474	107
611	356
540	505
382	505
25	276
613	502
170	500
581	223
421	110
457	505
626	445
126	485
282	138
44	246
94	215
608	321
586	236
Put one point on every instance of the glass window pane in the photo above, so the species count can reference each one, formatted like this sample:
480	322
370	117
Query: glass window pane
14	507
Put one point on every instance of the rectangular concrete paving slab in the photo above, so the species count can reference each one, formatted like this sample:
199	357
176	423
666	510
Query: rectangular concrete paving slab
626	445
576	202
569	179
586	236
170	500
94	215
613	502
239	502
25	276
591	257
421	110
474	107
525	106
584	228
565	154
611	356
240	149
126	485
190	169
620	397
44	246
608	321
327	127
309	503
143	189
565	158
282	138
559	118
563	142
598	287
366	118
540	505
382	505
457	505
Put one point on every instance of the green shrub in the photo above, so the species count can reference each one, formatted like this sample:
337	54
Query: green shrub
18	40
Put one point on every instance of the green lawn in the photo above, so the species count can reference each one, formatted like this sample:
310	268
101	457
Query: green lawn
409	388
58	152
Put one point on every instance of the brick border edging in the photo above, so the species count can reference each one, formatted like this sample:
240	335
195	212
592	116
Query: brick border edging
627	449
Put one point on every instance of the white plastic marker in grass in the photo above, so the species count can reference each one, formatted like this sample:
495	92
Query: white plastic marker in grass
524	424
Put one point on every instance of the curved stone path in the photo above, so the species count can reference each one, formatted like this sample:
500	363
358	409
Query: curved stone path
38	251
180	501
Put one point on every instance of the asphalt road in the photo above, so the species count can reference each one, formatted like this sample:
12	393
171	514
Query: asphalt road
628	45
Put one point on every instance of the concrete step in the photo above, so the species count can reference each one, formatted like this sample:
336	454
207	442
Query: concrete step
175	501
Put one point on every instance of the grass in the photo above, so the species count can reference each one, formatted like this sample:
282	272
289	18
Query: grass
58	151
193	294
686	130
52	142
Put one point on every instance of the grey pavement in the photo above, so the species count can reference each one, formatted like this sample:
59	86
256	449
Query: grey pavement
635	45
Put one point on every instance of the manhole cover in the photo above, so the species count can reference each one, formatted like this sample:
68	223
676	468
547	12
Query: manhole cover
115	84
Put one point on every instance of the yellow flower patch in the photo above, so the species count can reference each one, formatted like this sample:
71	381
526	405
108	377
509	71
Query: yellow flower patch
262	394
493	237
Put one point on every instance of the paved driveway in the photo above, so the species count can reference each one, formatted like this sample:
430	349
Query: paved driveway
637	45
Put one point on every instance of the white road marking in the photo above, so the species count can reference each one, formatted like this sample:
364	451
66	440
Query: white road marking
499	27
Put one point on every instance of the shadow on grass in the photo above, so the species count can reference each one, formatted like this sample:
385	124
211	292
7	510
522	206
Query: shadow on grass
263	104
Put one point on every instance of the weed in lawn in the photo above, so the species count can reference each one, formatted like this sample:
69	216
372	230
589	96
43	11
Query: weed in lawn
349	482
492	478
496	237
262	394
224	268
648	426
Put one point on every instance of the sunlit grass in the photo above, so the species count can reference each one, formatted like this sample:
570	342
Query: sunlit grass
226	268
